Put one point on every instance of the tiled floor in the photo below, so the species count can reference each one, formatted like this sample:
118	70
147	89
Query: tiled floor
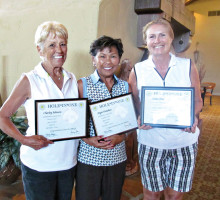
132	189
13	191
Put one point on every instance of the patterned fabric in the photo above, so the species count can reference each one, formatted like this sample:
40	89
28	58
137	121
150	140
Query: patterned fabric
172	168
96	90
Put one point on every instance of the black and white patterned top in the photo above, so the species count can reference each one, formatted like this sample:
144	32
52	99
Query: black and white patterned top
95	90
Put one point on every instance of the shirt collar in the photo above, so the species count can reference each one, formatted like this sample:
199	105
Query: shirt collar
41	72
96	78
171	64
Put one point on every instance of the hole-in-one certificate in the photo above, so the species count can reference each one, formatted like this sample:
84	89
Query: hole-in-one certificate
61	119
167	107
114	116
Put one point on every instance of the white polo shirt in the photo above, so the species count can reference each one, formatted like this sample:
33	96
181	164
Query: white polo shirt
178	75
61	155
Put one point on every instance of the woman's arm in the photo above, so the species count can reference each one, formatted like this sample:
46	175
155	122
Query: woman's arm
196	84
198	100
96	140
133	83
80	88
133	87
19	95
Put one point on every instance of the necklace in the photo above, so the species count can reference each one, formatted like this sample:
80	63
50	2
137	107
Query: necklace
59	78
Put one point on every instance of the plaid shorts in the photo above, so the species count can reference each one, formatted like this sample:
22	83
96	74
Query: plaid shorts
162	168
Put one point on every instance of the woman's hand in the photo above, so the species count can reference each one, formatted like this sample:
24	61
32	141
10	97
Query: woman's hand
98	142
105	143
36	141
144	127
193	128
115	139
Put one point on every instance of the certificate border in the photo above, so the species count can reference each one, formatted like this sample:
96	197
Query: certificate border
128	94
191	89
60	100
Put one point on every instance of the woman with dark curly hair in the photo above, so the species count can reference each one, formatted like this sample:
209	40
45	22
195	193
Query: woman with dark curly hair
102	161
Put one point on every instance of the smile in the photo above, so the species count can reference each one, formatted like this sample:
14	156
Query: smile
58	57
157	47
108	68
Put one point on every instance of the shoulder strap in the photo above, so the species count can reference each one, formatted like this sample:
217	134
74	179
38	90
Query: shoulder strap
84	87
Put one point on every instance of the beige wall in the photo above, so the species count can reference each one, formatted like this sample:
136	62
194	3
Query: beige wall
18	23
118	19
207	34
85	21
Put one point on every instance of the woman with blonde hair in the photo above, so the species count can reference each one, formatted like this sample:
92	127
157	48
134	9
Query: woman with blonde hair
167	156
48	169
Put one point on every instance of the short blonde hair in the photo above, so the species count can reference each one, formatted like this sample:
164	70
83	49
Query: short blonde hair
158	21
43	31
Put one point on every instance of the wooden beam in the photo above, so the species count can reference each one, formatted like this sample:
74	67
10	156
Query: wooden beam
187	2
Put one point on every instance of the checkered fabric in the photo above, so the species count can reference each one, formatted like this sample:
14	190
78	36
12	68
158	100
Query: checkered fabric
96	90
162	168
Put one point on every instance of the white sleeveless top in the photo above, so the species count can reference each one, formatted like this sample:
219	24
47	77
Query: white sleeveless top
61	155
178	75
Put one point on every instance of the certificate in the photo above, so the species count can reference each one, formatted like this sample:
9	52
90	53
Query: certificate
61	119
167	107
114	116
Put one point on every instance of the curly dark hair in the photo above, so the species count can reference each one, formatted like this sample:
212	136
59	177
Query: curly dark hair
106	41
